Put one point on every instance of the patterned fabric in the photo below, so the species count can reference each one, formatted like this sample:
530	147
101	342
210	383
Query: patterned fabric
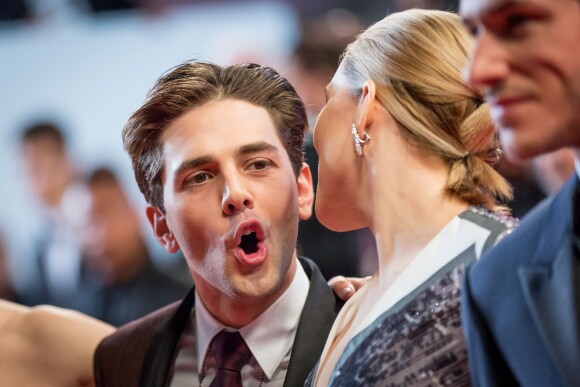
419	343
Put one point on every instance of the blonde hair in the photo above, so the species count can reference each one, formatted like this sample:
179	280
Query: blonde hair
416	58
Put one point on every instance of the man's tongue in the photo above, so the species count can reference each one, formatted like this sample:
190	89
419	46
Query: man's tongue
251	251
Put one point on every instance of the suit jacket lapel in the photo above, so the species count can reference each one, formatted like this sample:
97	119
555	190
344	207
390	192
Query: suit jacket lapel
161	351
550	296
317	317
315	322
550	290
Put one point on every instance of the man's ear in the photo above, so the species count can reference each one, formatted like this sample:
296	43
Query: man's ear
305	192
161	230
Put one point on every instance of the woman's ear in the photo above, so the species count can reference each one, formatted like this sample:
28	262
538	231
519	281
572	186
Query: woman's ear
367	104
163	234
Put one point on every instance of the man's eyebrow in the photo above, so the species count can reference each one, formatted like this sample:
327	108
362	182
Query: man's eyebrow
531	9
260	146
193	163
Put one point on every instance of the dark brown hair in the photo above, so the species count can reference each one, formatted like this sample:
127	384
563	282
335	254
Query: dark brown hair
193	84
44	130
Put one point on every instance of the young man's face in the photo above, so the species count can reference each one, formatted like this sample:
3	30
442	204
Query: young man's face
232	200
527	57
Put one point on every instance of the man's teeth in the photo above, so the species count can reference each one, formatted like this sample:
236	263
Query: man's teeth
247	232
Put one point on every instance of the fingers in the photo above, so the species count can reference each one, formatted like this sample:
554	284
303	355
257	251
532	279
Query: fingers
341	287
344	287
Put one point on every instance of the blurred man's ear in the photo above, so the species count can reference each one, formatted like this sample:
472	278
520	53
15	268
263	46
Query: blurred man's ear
305	192
161	230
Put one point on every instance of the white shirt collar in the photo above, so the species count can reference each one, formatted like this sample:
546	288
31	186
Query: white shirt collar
270	336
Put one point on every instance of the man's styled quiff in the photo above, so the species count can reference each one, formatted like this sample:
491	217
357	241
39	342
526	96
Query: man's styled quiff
193	84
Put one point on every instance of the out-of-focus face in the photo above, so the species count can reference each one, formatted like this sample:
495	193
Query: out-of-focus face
527	57
46	168
552	170
232	200
336	197
112	235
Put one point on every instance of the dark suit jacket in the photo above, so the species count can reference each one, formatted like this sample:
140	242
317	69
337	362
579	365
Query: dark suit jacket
521	303
142	352
147	291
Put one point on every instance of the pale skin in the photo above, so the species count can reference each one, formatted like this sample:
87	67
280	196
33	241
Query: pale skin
47	346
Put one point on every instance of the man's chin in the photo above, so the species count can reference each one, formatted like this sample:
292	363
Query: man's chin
515	156
517	150
254	289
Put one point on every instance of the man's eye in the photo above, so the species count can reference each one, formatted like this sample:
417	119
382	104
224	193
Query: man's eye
259	165
472	29
516	24
198	178
514	21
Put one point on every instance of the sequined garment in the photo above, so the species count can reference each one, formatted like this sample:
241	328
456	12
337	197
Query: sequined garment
419	343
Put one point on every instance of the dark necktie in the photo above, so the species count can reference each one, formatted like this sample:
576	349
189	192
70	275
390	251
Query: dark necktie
231	354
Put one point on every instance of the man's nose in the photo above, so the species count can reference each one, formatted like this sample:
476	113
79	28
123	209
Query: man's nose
236	197
488	64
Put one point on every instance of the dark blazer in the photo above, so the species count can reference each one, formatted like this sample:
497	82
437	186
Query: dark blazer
147	291
142	352
521	302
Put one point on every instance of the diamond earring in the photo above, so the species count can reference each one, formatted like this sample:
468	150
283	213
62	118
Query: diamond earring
357	140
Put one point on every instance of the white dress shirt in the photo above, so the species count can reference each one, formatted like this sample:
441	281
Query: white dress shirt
270	337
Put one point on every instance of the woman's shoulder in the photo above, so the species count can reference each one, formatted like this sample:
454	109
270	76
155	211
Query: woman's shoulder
497	223
492	220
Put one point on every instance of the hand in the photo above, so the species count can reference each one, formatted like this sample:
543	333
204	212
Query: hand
346	287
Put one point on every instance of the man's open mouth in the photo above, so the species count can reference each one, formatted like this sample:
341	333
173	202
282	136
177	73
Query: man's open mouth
251	243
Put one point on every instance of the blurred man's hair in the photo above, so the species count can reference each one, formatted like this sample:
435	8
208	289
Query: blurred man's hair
43	130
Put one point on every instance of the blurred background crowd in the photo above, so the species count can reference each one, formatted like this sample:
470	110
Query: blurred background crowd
72	225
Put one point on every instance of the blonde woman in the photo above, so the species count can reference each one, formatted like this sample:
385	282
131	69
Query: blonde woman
405	149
